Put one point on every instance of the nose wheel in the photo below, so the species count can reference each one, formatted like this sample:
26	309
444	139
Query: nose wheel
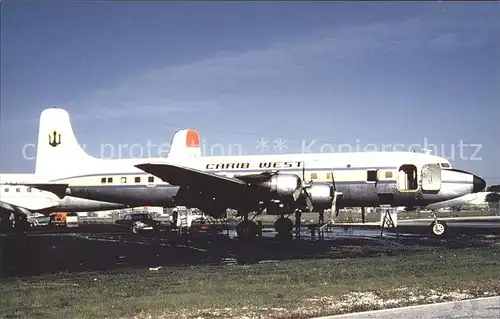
438	228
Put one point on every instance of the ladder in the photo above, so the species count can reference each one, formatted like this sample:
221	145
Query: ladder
182	219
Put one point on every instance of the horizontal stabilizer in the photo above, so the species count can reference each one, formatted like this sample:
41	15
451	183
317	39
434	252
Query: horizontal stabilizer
57	188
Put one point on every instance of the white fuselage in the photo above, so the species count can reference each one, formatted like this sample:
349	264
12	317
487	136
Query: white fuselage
23	199
397	173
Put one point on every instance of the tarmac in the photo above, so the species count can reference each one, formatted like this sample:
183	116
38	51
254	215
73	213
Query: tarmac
108	248
105	247
464	309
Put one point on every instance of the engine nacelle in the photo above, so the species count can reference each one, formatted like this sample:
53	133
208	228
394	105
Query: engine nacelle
321	195
282	184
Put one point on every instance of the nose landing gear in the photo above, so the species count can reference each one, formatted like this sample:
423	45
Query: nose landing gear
438	228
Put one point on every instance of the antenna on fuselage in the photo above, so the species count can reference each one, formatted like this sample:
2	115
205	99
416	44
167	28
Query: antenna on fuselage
426	151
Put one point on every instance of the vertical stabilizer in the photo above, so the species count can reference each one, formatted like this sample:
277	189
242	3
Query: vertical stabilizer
185	145
58	152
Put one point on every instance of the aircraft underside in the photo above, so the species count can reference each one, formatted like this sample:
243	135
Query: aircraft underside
284	206
285	194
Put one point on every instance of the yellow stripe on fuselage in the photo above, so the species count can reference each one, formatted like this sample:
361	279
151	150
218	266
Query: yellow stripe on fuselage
351	175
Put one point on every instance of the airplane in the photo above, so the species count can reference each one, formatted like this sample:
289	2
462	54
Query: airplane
25	194
24	201
316	182
284	183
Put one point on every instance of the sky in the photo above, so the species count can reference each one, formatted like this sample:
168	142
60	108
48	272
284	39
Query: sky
255	77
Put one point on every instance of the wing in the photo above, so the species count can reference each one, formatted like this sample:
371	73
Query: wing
27	205
193	178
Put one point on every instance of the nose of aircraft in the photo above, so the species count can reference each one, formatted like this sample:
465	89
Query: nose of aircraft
478	184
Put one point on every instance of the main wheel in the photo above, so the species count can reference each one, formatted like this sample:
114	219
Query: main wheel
438	228
246	230
283	225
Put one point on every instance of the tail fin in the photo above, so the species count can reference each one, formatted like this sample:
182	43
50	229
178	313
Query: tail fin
60	155
185	145
58	151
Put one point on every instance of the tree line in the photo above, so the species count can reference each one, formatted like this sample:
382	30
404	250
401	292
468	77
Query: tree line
494	196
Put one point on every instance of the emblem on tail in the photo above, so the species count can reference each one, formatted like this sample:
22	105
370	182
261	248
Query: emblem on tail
54	139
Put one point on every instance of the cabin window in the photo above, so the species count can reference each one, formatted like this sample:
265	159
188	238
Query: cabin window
314	176
18	190
446	165
388	174
329	176
103	180
407	178
151	179
110	179
371	175
137	179
6	190
28	189
123	180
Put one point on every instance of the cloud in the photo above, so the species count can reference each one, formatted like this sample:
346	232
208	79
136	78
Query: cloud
255	76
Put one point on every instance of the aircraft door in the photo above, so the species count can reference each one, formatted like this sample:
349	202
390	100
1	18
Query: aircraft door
431	177
407	178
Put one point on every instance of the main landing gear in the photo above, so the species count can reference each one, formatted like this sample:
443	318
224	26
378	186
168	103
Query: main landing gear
5	222
247	229
19	224
283	226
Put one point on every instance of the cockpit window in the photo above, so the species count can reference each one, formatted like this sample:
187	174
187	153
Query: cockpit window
446	165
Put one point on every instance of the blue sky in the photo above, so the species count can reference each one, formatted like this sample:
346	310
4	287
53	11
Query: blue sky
315	74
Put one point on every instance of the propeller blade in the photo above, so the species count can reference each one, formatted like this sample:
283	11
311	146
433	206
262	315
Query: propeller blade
333	181
334	202
309	201
296	193
334	209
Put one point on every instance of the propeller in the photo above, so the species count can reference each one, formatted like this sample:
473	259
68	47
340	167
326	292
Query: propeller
303	188
334	210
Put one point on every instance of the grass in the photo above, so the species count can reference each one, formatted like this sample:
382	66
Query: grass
288	289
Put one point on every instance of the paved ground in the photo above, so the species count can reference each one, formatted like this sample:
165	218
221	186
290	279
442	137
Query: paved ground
473	308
